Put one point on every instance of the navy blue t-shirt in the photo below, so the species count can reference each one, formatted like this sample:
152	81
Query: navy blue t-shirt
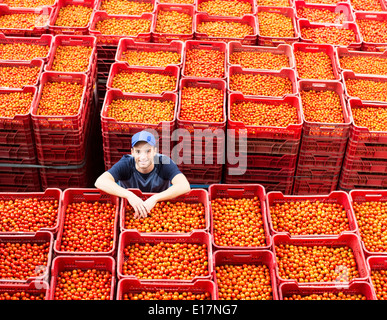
159	179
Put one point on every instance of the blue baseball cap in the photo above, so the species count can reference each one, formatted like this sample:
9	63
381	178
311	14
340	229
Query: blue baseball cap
144	136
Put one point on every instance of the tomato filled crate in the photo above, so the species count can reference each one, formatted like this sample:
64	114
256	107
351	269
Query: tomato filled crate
194	266
134	289
362	290
193	61
36	67
196	201
261	261
377	266
72	197
235	49
105	265
248	22
34	290
325	30
128	46
307	249
372	28
132	8
183	15
42	241
324	130
248	4
326	50
284	82
50	197
218	193
338	199
112	38
80	25
334	13
68	123
33	22
286	17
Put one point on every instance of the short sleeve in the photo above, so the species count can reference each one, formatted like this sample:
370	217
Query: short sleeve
169	168
122	169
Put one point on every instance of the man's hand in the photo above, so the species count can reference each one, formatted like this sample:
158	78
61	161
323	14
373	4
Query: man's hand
150	202
140	209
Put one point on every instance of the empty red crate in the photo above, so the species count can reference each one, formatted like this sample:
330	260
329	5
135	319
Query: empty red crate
335	197
252	4
45	40
316	185
12	174
324	145
248	20
57	29
366	150
287	291
367	35
316	48
350	241
43	14
192	197
129	45
320	129
352	26
240	191
49	194
49	154
187	10
201	126
342	10
88	195
247	257
235	47
69	123
68	263
284	73
353	179
36	63
202	174
262	161
133	286
292	131
287	13
19	137
368	165
41	237
198	45
307	158
113	39
37	289
128	238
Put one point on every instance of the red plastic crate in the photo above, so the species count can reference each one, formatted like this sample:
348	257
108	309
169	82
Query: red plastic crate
38	237
281	49
133	237
353	179
262	175
45	40
202	174
65	178
315	186
364	165
240	191
251	2
72	41
344	52
264	161
306	172
363	149
383	7
373	16
311	159
342	7
345	26
133	286
376	263
127	44
118	67
351	241
368	195
55	122
68	263
113	39
284	185
200	126
76	195
37	30
292	131
49	154
152	2
335	197
319	129
19	179
48	195
241	257
273	40
34	288
20	137
324	146
204	45
347	75
187	9
36	63
288	290
249	20
284	73
328	49
194	196
59	30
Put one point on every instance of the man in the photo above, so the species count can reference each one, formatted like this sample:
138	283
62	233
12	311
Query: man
147	170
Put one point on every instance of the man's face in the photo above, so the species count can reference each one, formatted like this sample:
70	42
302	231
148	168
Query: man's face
144	154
